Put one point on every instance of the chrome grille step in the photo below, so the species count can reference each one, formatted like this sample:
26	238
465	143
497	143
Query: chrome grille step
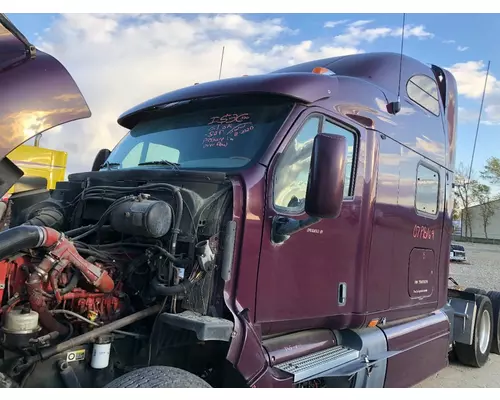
305	367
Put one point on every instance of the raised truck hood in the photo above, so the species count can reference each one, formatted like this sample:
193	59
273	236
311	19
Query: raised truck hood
36	94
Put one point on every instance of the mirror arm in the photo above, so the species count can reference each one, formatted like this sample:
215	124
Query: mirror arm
284	227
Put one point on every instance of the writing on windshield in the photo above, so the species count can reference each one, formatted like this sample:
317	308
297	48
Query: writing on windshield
222	130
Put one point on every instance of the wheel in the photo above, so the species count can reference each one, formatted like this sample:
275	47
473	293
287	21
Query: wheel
158	377
476	354
495	301
476	291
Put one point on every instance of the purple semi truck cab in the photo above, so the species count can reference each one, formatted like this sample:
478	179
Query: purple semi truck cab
290	229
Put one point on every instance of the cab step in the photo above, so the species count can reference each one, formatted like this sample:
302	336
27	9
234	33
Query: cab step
314	364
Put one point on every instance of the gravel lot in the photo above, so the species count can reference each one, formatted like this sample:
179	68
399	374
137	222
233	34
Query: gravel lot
481	270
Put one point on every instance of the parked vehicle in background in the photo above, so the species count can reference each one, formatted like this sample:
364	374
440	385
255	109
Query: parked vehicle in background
290	229
457	252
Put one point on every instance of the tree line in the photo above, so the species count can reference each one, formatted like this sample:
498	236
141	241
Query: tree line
470	192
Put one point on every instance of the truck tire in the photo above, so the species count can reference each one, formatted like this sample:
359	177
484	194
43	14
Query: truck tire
476	291
477	353
495	301
158	377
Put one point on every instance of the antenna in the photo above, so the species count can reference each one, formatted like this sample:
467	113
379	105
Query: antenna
395	106
479	120
221	61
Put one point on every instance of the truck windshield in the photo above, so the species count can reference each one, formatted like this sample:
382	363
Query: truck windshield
211	134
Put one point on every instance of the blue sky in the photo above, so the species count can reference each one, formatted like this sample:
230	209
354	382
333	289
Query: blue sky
448	34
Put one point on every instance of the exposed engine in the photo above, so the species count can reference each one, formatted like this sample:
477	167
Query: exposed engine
94	257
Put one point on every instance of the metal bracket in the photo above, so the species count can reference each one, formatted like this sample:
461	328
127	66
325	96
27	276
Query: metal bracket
352	368
205	327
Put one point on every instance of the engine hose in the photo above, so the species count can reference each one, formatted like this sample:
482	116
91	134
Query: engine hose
181	262
179	209
50	217
76	231
72	283
19	238
160	289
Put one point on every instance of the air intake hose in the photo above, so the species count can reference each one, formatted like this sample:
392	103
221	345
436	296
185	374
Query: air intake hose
19	238
50	217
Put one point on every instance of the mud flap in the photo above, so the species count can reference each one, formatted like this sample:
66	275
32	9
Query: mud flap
464	315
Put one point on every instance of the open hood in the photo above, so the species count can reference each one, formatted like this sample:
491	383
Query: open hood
36	94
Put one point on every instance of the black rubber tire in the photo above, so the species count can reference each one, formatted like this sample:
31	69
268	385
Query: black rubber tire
495	301
158	377
470	354
476	291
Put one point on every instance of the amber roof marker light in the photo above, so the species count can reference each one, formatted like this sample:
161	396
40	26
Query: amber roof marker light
322	71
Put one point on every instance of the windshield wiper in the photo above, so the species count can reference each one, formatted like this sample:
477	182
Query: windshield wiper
108	164
162	162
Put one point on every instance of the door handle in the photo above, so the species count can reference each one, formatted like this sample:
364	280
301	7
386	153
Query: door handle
342	293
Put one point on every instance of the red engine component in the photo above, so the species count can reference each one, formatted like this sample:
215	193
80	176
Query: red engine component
91	304
12	277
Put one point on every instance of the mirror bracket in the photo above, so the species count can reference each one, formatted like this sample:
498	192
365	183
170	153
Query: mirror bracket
284	227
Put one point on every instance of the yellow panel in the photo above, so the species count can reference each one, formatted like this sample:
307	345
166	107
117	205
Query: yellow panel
40	162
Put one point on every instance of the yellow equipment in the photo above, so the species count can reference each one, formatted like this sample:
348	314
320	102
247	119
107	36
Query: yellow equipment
38	162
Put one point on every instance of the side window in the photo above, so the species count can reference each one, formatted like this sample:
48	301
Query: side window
427	192
333	129
423	91
292	172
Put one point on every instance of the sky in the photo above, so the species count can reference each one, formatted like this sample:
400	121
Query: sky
119	60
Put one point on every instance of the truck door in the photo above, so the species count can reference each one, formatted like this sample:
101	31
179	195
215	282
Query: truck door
311	275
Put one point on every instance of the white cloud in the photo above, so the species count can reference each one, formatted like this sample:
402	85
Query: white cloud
459	48
333	24
121	60
414	31
240	27
470	78
305	50
356	33
361	22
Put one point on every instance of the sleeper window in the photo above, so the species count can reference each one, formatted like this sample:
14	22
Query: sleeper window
423	91
427	193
